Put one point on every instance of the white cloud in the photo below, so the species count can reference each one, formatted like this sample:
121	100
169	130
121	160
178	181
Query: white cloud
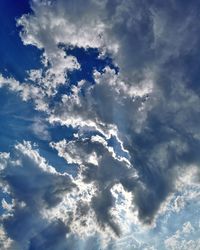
180	239
40	129
5	242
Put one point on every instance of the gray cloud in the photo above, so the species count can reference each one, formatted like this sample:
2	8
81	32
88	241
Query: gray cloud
104	172
52	237
34	186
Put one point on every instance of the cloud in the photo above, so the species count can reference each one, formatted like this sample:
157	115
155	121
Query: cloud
145	114
40	129
52	237
35	186
180	239
103	173
151	107
46	203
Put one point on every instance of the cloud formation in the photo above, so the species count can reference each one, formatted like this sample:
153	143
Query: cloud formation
150	106
34	187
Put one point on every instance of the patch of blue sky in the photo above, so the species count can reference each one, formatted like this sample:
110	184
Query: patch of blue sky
117	147
15	58
16	118
16	124
90	60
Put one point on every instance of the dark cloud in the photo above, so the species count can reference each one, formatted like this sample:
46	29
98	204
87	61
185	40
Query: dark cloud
101	205
52	237
108	172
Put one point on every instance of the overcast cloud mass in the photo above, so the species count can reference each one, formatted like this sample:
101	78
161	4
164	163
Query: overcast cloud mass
100	125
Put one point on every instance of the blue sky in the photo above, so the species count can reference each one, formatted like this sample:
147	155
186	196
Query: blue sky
99	125
27	57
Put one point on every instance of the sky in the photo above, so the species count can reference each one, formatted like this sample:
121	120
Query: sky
99	125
